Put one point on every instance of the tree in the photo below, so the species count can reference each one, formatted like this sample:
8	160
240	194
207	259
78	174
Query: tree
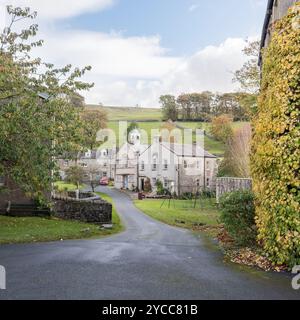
92	122
249	75
169	107
186	107
77	100
75	175
221	128
94	178
275	159
236	160
37	121
130	128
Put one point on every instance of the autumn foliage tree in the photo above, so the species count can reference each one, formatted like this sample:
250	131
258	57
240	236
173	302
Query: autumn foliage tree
275	148
221	128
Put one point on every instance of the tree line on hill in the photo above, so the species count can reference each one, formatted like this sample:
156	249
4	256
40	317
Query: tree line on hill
206	105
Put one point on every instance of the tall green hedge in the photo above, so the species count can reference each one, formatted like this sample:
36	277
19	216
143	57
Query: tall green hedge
276	145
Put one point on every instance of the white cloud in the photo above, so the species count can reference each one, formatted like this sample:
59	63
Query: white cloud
132	70
209	69
194	7
58	9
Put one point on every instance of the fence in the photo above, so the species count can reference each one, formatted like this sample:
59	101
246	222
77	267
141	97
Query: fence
225	185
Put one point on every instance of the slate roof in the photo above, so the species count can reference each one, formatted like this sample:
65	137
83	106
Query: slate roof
188	150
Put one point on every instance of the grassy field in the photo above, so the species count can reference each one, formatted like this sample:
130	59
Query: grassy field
31	229
130	114
146	126
181	213
149	119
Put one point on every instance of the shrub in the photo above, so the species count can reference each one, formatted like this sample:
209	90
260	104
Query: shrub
275	150
160	188
238	216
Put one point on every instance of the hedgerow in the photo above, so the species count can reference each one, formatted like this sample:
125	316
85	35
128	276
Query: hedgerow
276	145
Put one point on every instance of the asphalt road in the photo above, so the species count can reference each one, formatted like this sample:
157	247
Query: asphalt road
149	260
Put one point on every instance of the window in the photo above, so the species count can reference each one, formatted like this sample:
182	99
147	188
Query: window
105	164
142	165
154	165
165	164
207	181
154	181
104	174
66	163
185	164
198	164
198	182
1	181
207	164
166	184
84	165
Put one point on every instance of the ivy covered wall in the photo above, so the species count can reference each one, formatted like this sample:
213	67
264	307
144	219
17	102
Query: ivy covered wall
276	144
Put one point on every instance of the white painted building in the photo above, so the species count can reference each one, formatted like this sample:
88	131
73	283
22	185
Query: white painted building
127	158
181	168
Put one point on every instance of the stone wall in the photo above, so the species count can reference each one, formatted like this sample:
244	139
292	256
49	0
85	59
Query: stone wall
225	185
98	211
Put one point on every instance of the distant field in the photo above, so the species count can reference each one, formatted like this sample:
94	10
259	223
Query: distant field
149	119
215	147
130	114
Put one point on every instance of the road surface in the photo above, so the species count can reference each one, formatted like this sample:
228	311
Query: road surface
150	260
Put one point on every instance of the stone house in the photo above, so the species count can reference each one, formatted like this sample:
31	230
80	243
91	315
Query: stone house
276	9
96	163
127	158
182	168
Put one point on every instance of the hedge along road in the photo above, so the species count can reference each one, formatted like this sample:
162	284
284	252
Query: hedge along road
150	260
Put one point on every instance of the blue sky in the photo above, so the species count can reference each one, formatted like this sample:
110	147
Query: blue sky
183	25
141	49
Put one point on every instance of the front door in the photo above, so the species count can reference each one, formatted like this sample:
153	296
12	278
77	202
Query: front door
143	184
125	182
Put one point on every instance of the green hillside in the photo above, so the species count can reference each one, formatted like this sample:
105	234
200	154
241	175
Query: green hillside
130	114
151	118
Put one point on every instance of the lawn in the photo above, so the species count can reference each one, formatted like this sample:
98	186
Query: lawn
31	229
181	213
62	186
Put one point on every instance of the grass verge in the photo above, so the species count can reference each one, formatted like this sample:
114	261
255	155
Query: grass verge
182	213
33	229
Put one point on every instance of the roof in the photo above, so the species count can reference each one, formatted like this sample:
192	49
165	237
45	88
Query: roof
266	27
43	95
188	150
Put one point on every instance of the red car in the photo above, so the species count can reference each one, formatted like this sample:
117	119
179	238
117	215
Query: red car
104	181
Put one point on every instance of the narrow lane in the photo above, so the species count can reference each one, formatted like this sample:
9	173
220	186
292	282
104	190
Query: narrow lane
150	260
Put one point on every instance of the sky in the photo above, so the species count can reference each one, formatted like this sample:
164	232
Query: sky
141	49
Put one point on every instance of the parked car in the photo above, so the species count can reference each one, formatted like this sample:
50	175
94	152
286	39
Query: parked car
104	181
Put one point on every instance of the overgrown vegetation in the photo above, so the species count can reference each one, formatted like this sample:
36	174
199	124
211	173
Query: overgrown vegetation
275	149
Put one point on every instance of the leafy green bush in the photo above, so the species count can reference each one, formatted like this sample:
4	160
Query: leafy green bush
160	188
275	149
238	216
